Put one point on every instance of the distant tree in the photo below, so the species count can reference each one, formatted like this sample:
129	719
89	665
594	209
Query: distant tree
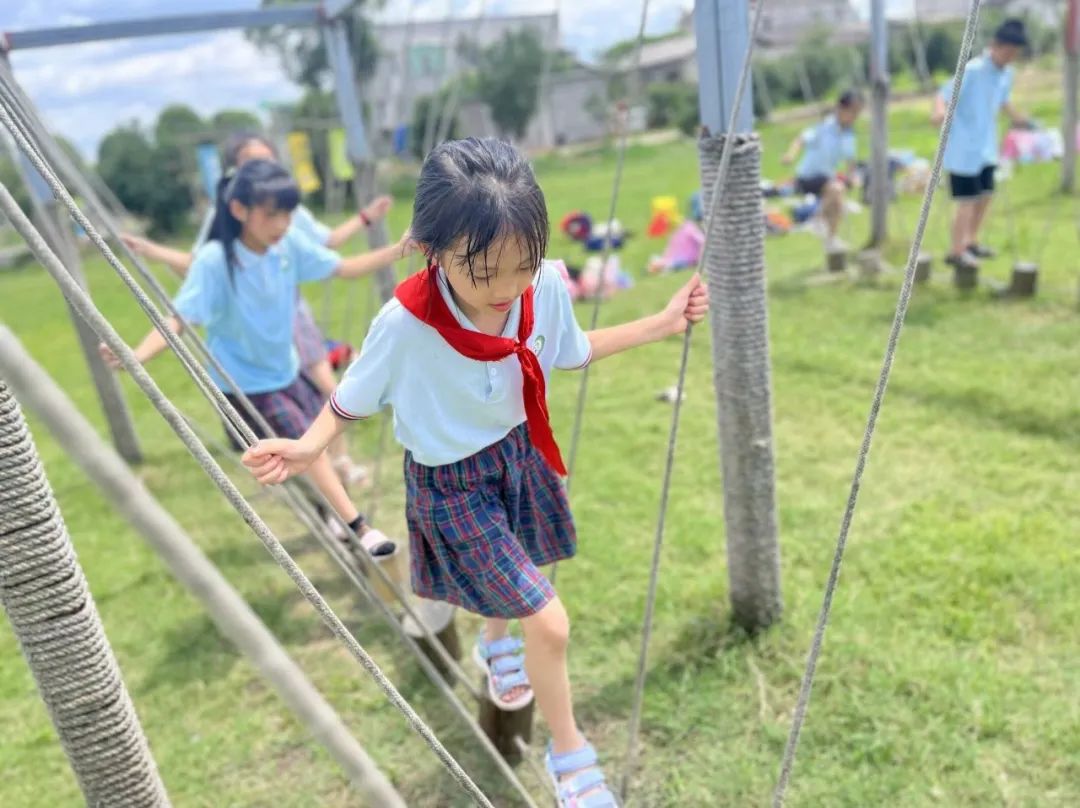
143	178
11	178
226	121
508	80
303	54
418	131
180	126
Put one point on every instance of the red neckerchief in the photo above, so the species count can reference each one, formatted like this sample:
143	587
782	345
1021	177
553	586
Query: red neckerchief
420	296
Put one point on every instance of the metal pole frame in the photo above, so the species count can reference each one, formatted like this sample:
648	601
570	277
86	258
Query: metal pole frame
879	143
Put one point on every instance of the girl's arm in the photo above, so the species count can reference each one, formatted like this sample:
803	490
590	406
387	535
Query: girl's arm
937	116
152	344
354	224
793	151
176	260
275	461
357	266
1016	117
688	305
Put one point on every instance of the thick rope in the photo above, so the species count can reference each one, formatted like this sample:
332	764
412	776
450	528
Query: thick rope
717	197
45	594
302	507
875	407
86	309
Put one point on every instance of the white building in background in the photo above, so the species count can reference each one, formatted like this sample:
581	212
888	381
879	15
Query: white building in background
418	58
785	25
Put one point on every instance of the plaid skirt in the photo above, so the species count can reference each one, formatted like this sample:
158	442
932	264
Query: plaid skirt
480	528
310	344
289	411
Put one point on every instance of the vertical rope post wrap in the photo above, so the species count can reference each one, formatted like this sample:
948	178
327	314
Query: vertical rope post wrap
735	271
44	592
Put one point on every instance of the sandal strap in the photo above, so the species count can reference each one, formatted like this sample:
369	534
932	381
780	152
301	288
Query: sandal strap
601	799
500	647
506	664
580	783
504	684
569	762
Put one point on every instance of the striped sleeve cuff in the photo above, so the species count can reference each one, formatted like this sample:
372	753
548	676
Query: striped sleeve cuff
341	412
588	359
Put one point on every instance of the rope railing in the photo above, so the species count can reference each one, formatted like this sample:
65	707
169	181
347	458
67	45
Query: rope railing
717	197
807	683
86	309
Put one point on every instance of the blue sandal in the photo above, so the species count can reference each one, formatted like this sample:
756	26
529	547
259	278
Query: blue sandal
585	787
504	665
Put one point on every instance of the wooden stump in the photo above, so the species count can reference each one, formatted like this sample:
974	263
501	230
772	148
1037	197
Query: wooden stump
439	619
836	260
1025	278
396	567
503	726
965	277
869	264
923	265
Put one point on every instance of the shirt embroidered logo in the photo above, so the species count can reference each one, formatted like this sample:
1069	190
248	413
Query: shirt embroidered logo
538	344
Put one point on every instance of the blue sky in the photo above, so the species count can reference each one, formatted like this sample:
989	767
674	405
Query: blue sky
86	90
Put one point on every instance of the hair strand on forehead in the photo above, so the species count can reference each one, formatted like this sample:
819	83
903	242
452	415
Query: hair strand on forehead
474	193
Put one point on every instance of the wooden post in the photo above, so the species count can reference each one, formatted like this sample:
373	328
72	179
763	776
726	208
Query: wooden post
965	276
879	144
503	727
836	260
1072	83
870	265
56	229
1025	276
439	619
924	265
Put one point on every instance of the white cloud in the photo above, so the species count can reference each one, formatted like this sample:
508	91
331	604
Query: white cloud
86	91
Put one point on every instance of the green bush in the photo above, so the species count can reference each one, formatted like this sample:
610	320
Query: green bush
672	103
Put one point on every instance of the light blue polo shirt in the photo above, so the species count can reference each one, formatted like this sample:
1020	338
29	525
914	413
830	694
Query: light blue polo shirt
447	406
249	320
825	147
304	221
973	140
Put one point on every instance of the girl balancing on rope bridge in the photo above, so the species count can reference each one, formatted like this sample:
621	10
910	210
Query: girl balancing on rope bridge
463	354
242	287
240	148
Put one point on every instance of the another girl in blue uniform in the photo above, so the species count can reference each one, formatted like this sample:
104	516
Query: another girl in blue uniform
242	287
240	148
462	355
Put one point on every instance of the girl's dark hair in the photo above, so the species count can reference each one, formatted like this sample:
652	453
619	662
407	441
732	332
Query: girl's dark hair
480	190
254	184
235	143
850	98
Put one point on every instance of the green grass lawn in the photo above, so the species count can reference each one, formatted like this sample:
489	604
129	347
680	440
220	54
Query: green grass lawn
951	672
